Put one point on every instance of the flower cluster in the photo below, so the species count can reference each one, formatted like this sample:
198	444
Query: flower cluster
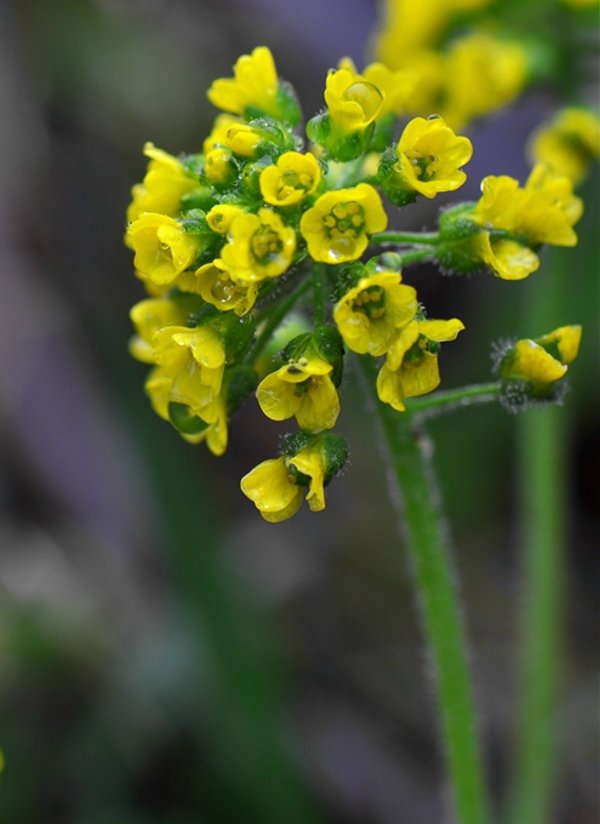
228	240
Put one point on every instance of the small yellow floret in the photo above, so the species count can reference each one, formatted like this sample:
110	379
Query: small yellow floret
291	179
569	143
260	246
430	155
163	249
164	185
337	227
255	84
353	102
370	315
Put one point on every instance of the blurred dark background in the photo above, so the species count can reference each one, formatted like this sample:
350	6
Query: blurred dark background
166	656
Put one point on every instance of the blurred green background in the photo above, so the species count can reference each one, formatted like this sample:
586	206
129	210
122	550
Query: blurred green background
166	657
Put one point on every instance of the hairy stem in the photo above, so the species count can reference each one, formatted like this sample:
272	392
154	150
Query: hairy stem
427	543
419	238
450	399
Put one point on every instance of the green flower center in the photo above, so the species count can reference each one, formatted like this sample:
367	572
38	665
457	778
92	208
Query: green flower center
371	302
266	245
343	224
291	181
422	165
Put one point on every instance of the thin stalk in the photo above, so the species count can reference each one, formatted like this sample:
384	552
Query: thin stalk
543	469
427	543
275	318
542	464
420	238
450	399
417	256
319	293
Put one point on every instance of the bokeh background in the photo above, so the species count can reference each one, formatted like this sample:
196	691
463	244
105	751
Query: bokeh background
166	656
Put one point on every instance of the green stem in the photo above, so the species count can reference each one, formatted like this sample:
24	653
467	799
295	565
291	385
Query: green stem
420	238
542	462
543	469
427	543
450	399
280	310
319	292
417	256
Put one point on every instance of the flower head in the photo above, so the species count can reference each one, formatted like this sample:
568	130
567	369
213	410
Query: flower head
411	366
539	363
278	486
352	101
215	284
569	143
370	315
163	249
255	87
290	179
336	228
430	156
259	246
164	184
543	211
302	388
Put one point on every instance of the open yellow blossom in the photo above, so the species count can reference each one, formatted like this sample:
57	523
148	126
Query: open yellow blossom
508	259
277	486
370	315
569	143
214	283
430	156
148	316
543	211
411	369
396	87
482	73
164	184
219	166
260	246
163	249
352	101
302	389
563	343
337	227
254	85
194	361
221	217
291	179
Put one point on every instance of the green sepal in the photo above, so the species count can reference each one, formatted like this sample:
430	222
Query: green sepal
455	222
391	183
293	442
293	350
250	178
294	325
239	383
193	164
288	108
236	333
383	133
202	198
327	342
340	147
347	276
335	452
184	421
455	252
274	134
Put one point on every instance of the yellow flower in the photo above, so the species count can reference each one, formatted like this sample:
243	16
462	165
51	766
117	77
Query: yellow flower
569	143
242	139
260	246
277	486
508	259
218	135
408	26
291	179
336	228
396	87
164	185
482	73
352	101
302	388
430	156
411	369
562	342
221	217
163	249
370	315
218	165
194	361
254	85
214	433
215	284
543	211
148	316
531	362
